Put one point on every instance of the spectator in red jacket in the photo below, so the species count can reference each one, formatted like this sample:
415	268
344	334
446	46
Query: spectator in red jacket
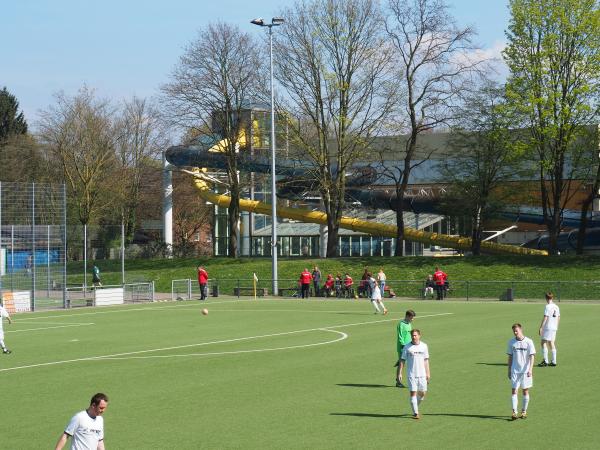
305	279
348	282
202	281
328	286
439	279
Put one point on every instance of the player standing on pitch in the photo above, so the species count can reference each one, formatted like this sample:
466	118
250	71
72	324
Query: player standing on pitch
3	314
521	353
548	329
416	357
403	338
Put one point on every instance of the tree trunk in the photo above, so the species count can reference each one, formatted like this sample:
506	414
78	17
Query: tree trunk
585	206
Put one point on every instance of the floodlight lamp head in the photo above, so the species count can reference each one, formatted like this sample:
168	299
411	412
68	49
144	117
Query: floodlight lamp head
260	22
276	21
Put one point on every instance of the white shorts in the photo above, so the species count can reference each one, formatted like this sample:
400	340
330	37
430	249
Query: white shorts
520	380
1	333
549	335
417	384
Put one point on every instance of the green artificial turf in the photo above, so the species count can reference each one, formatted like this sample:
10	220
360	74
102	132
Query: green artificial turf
291	374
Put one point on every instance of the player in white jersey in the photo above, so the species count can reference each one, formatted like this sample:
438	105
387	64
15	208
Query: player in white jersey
521	353
3	314
416	357
86	428
548	329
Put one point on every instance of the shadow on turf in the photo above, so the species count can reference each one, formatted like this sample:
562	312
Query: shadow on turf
409	416
491	364
361	385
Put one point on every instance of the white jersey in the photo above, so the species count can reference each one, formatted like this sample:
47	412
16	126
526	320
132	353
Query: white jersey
415	356
520	350
3	314
86	432
376	294
553	313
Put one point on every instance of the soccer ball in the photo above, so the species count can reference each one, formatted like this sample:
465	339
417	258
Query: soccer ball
205	312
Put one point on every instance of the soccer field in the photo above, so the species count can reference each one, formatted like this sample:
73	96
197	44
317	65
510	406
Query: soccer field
288	374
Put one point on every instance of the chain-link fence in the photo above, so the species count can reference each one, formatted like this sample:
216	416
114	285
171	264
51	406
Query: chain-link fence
32	244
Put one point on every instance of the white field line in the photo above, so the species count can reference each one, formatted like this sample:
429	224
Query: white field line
51	328
177	347
343	336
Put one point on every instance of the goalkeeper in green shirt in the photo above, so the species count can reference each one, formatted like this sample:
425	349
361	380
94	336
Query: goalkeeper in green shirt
403	337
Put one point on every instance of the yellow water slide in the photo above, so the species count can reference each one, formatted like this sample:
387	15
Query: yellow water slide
363	226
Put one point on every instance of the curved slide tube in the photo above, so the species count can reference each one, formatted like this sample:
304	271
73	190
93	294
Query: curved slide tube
183	156
363	226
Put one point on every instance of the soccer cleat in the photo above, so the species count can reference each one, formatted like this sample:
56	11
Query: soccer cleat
514	416
399	384
552	364
6	351
397	363
416	416
543	364
384	312
523	415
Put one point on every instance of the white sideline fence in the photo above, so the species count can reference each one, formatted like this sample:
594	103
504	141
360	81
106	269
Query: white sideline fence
115	294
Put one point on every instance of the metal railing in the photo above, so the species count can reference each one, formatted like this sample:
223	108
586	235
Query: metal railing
132	293
410	289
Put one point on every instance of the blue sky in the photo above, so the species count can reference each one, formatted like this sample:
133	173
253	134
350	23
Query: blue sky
128	47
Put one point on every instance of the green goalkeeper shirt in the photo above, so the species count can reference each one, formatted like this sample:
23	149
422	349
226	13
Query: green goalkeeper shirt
404	329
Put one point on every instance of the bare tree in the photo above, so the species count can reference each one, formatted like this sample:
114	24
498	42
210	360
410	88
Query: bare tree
79	133
214	81
141	138
434	61
334	68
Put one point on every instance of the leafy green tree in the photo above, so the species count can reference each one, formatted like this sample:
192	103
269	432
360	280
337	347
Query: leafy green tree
12	122
554	61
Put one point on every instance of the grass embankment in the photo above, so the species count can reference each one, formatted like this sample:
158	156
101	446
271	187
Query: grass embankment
481	268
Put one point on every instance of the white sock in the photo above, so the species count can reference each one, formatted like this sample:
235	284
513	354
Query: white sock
554	355
414	404
382	305
545	354
515	402
525	402
2	345
375	305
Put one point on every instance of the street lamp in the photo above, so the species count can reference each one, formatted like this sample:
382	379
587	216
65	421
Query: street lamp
275	22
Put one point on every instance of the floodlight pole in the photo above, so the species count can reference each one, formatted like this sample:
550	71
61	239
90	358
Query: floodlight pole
276	21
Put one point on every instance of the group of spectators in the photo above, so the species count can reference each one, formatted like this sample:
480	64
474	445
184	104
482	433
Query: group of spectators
342	286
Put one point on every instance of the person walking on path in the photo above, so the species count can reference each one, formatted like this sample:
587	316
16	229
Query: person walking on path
4	314
202	282
439	277
305	279
548	329
416	357
403	337
86	428
521	353
96	276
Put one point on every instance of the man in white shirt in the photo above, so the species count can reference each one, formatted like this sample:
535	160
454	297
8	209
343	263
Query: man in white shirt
3	314
521	353
416	357
86	428
548	329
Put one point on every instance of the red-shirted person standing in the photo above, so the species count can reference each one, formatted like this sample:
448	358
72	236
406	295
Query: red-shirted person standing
202	281
348	282
439	278
305	279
